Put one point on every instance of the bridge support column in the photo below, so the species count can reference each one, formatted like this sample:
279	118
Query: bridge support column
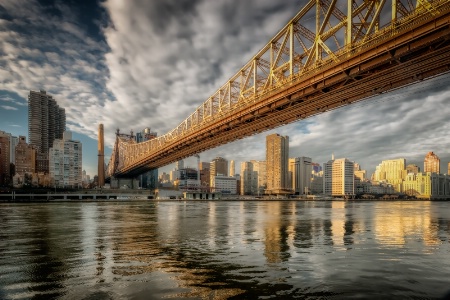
124	183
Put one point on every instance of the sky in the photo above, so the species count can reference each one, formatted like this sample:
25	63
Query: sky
150	63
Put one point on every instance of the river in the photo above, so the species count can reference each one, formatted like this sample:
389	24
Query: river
225	250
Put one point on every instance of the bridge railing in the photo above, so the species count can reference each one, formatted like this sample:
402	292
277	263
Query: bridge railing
293	54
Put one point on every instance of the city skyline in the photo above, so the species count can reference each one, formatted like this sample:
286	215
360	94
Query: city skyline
110	81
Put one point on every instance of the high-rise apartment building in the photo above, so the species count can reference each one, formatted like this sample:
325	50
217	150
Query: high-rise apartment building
65	162
253	177
338	177
431	163
277	160
392	171
5	159
179	164
232	168
46	122
25	157
218	166
13	141
204	174
300	171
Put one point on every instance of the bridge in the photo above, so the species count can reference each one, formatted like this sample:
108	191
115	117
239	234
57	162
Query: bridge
332	53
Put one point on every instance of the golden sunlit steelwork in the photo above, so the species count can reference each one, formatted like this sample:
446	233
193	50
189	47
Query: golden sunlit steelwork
332	53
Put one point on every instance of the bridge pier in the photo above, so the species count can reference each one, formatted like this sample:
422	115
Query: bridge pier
130	183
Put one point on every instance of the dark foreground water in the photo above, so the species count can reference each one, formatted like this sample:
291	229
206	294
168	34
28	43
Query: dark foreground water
221	250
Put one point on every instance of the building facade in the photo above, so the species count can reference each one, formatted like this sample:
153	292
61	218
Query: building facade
205	179
46	122
253	178
232	168
5	158
412	169
188	179
218	166
277	162
431	163
338	178
65	162
392	171
226	185
300	171
427	185
25	157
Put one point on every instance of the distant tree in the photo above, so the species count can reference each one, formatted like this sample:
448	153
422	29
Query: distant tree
27	180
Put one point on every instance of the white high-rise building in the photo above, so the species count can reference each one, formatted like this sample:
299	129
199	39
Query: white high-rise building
300	170
338	178
65	162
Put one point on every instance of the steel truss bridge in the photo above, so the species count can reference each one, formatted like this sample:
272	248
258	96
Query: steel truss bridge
332	53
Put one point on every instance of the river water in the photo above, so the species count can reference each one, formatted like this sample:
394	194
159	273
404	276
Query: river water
225	250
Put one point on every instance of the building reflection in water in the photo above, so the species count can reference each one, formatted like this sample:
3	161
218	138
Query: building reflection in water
397	224
338	224
276	232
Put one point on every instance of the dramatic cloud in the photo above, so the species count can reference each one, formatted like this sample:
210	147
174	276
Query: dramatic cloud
51	51
8	107
137	64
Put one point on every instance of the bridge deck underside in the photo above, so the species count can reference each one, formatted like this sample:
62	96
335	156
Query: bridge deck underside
414	55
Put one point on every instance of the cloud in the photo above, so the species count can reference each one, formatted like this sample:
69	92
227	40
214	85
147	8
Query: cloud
53	52
8	107
171	56
152	63
7	98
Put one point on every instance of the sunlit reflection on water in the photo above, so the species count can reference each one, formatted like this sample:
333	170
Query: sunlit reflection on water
221	250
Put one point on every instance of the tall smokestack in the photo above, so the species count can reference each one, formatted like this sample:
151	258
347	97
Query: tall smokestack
101	156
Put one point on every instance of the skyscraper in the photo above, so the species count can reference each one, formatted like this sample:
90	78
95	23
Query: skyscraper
218	166
204	174
253	177
392	171
46	122
300	169
338	177
65	162
4	157
277	159
431	163
232	169
179	164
